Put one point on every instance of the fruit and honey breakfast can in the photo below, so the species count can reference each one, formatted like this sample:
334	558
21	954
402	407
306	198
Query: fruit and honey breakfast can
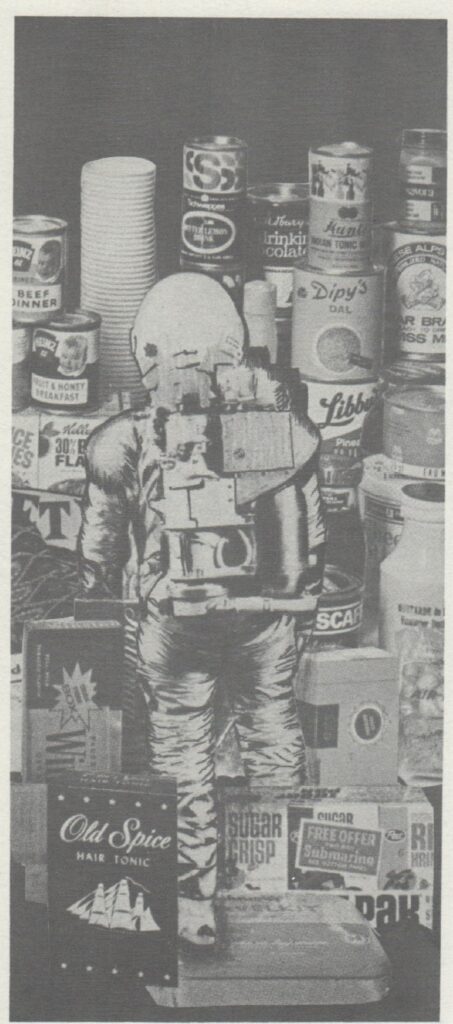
417	285
65	362
277	234
214	201
338	323
340	237
39	267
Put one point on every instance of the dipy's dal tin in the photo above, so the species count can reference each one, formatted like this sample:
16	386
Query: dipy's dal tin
338	323
414	431
65	361
39	267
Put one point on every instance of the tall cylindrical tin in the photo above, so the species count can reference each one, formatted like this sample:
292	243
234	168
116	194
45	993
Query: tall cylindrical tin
39	267
414	431
417	284
339	237
277	236
338	323
214	201
230	277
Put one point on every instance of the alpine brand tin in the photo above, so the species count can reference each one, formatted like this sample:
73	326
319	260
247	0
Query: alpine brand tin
338	323
39	267
417	272
22	335
414	431
339	409
65	361
214	197
339	237
339	614
278	231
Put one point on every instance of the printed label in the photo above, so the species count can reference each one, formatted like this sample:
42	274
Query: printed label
338	848
367	724
423	194
24	451
339	178
212	228
36	301
339	620
214	234
339	411
59	392
339	236
418	281
214	170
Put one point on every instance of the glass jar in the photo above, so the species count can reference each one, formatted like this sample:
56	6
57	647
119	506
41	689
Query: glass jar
423	180
400	374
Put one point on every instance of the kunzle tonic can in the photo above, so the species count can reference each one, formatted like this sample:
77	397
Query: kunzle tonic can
339	237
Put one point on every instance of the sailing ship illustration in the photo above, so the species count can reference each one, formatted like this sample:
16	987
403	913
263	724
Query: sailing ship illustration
123	905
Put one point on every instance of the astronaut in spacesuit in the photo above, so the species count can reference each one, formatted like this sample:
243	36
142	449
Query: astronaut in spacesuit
186	326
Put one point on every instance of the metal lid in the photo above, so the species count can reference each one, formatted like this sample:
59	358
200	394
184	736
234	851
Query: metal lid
79	318
430	398
38	224
280	191
404	371
217	142
424	501
425	138
339	585
347	149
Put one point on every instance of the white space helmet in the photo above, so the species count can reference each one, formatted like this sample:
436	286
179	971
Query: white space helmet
186	326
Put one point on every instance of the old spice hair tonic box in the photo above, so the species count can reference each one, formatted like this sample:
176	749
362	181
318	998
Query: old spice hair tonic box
73	679
112	877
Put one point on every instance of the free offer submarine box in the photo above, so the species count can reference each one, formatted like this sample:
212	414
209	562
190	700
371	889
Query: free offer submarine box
112	877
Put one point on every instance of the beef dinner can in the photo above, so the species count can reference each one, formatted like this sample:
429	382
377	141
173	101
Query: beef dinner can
39	267
277	236
338	323
65	361
417	282
214	201
340	237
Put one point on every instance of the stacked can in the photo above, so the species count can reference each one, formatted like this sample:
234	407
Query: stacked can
55	354
213	210
338	300
337	337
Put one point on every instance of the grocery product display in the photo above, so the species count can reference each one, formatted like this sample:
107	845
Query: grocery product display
219	536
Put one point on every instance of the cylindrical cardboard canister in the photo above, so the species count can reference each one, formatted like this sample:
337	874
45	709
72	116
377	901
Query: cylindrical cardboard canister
339	612
414	431
417	285
340	237
339	409
22	335
65	362
214	200
338	323
39	267
277	236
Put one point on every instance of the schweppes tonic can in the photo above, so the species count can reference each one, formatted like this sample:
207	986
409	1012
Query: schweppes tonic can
339	237
214	201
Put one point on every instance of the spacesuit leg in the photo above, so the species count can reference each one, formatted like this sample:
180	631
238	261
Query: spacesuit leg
266	718
178	671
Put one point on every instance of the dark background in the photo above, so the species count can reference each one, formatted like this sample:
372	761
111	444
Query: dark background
93	87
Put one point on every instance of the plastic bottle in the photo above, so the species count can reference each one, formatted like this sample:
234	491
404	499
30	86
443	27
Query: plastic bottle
259	314
423	180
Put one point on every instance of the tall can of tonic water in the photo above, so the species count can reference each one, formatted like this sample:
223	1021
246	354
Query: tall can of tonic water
339	237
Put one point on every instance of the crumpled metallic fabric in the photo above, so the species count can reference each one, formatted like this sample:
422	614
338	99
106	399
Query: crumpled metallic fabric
181	664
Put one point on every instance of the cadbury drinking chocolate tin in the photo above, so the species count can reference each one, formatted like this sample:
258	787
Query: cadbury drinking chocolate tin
338	323
414	431
39	267
277	235
214	198
65	361
339	237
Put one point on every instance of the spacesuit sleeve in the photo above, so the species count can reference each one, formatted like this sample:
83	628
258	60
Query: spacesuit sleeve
108	506
316	530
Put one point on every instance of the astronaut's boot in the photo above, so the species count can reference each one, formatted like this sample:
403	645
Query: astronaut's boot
196	921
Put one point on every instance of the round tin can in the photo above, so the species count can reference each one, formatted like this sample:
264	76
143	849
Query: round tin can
231	278
214	200
39	267
65	361
338	323
22	337
277	236
417	283
339	409
414	431
340	235
339	613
